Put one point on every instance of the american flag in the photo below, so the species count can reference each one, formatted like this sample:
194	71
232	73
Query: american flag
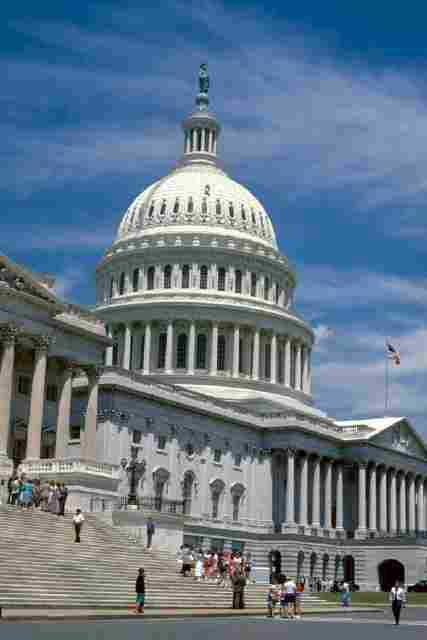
392	353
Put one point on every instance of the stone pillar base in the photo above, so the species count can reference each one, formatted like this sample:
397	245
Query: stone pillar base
361	534
289	527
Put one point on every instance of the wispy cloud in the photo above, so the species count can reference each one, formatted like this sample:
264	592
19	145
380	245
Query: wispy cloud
53	238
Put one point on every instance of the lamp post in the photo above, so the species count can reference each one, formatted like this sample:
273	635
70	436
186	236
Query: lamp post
135	471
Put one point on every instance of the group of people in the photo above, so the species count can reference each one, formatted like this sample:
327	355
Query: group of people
284	597
220	567
46	495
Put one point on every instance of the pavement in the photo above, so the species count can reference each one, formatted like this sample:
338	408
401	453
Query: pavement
32	614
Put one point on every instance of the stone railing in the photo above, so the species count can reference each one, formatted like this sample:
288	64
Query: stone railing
152	503
70	466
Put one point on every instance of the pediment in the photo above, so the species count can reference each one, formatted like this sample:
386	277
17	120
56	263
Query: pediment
16	279
402	437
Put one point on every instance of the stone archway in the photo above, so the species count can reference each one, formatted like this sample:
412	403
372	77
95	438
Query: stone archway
349	568
300	564
313	564
388	572
325	566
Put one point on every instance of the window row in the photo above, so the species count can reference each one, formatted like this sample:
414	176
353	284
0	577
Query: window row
257	286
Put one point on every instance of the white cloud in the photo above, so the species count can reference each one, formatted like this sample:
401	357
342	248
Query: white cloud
67	283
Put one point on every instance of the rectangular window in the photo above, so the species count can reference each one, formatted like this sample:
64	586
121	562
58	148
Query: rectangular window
238	460
161	443
74	432
217	455
24	385
136	436
51	393
268	360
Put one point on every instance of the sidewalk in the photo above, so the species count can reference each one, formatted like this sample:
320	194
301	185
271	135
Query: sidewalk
29	614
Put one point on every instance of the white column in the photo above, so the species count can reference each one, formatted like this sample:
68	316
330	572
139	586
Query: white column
308	374
194	139
38	387
340	498
373	500
109	350
287	362
316	493
88	442
64	412
298	366
411	496
328	494
393	502
214	349
126	347
236	349
8	334
402	499
147	348
191	347
361	529
383	500
273	356
255	359
290	491
420	505
203	140
303	506
169	348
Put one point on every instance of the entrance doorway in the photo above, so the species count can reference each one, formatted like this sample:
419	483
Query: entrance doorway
388	572
348	568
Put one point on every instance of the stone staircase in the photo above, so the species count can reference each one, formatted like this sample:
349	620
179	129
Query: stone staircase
41	566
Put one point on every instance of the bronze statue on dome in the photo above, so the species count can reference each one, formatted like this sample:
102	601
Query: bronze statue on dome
203	79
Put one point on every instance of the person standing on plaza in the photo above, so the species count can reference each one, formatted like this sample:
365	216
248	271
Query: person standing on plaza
239	583
290	589
78	520
397	599
345	594
150	532
140	591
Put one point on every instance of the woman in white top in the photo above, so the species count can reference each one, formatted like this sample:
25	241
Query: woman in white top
397	599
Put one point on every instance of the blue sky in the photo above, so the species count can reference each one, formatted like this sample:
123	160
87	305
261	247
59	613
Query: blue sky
324	113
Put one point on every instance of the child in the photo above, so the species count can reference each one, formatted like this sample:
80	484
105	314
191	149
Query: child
273	598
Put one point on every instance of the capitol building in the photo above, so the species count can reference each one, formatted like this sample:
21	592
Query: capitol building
194	370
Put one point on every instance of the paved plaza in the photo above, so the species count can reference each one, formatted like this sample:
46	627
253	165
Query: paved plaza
414	624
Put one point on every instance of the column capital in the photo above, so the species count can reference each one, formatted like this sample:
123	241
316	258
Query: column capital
8	332
93	372
290	451
42	343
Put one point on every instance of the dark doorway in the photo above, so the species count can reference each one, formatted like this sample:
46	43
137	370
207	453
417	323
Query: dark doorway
388	572
348	569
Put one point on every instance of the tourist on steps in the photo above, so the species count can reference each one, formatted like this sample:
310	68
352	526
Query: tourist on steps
150	532
397	599
140	591
62	498
239	583
78	520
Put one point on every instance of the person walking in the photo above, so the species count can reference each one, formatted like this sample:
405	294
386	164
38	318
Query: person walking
140	591
78	520
44	495
239	583
345	594
397	599
150	532
62	498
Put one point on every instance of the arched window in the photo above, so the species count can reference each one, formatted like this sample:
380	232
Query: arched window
115	353
199	139
151	211
204	207
201	351
293	365
135	279
206	139
111	287
221	353
122	282
163	209
167	277
238	282
191	139
176	206
277	293
266	288
243	212
181	351
190	205
253	216
150	278
221	279
142	351
161	356
185	276
253	284
236	498
203	277
231	210
187	491
268	360
218	208
217	488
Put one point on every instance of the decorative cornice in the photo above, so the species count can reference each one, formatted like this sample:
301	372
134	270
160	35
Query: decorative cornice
42	343
8	333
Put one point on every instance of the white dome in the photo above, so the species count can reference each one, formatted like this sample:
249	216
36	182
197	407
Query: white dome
201	196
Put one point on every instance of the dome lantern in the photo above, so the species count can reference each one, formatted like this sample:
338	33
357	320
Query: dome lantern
201	129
